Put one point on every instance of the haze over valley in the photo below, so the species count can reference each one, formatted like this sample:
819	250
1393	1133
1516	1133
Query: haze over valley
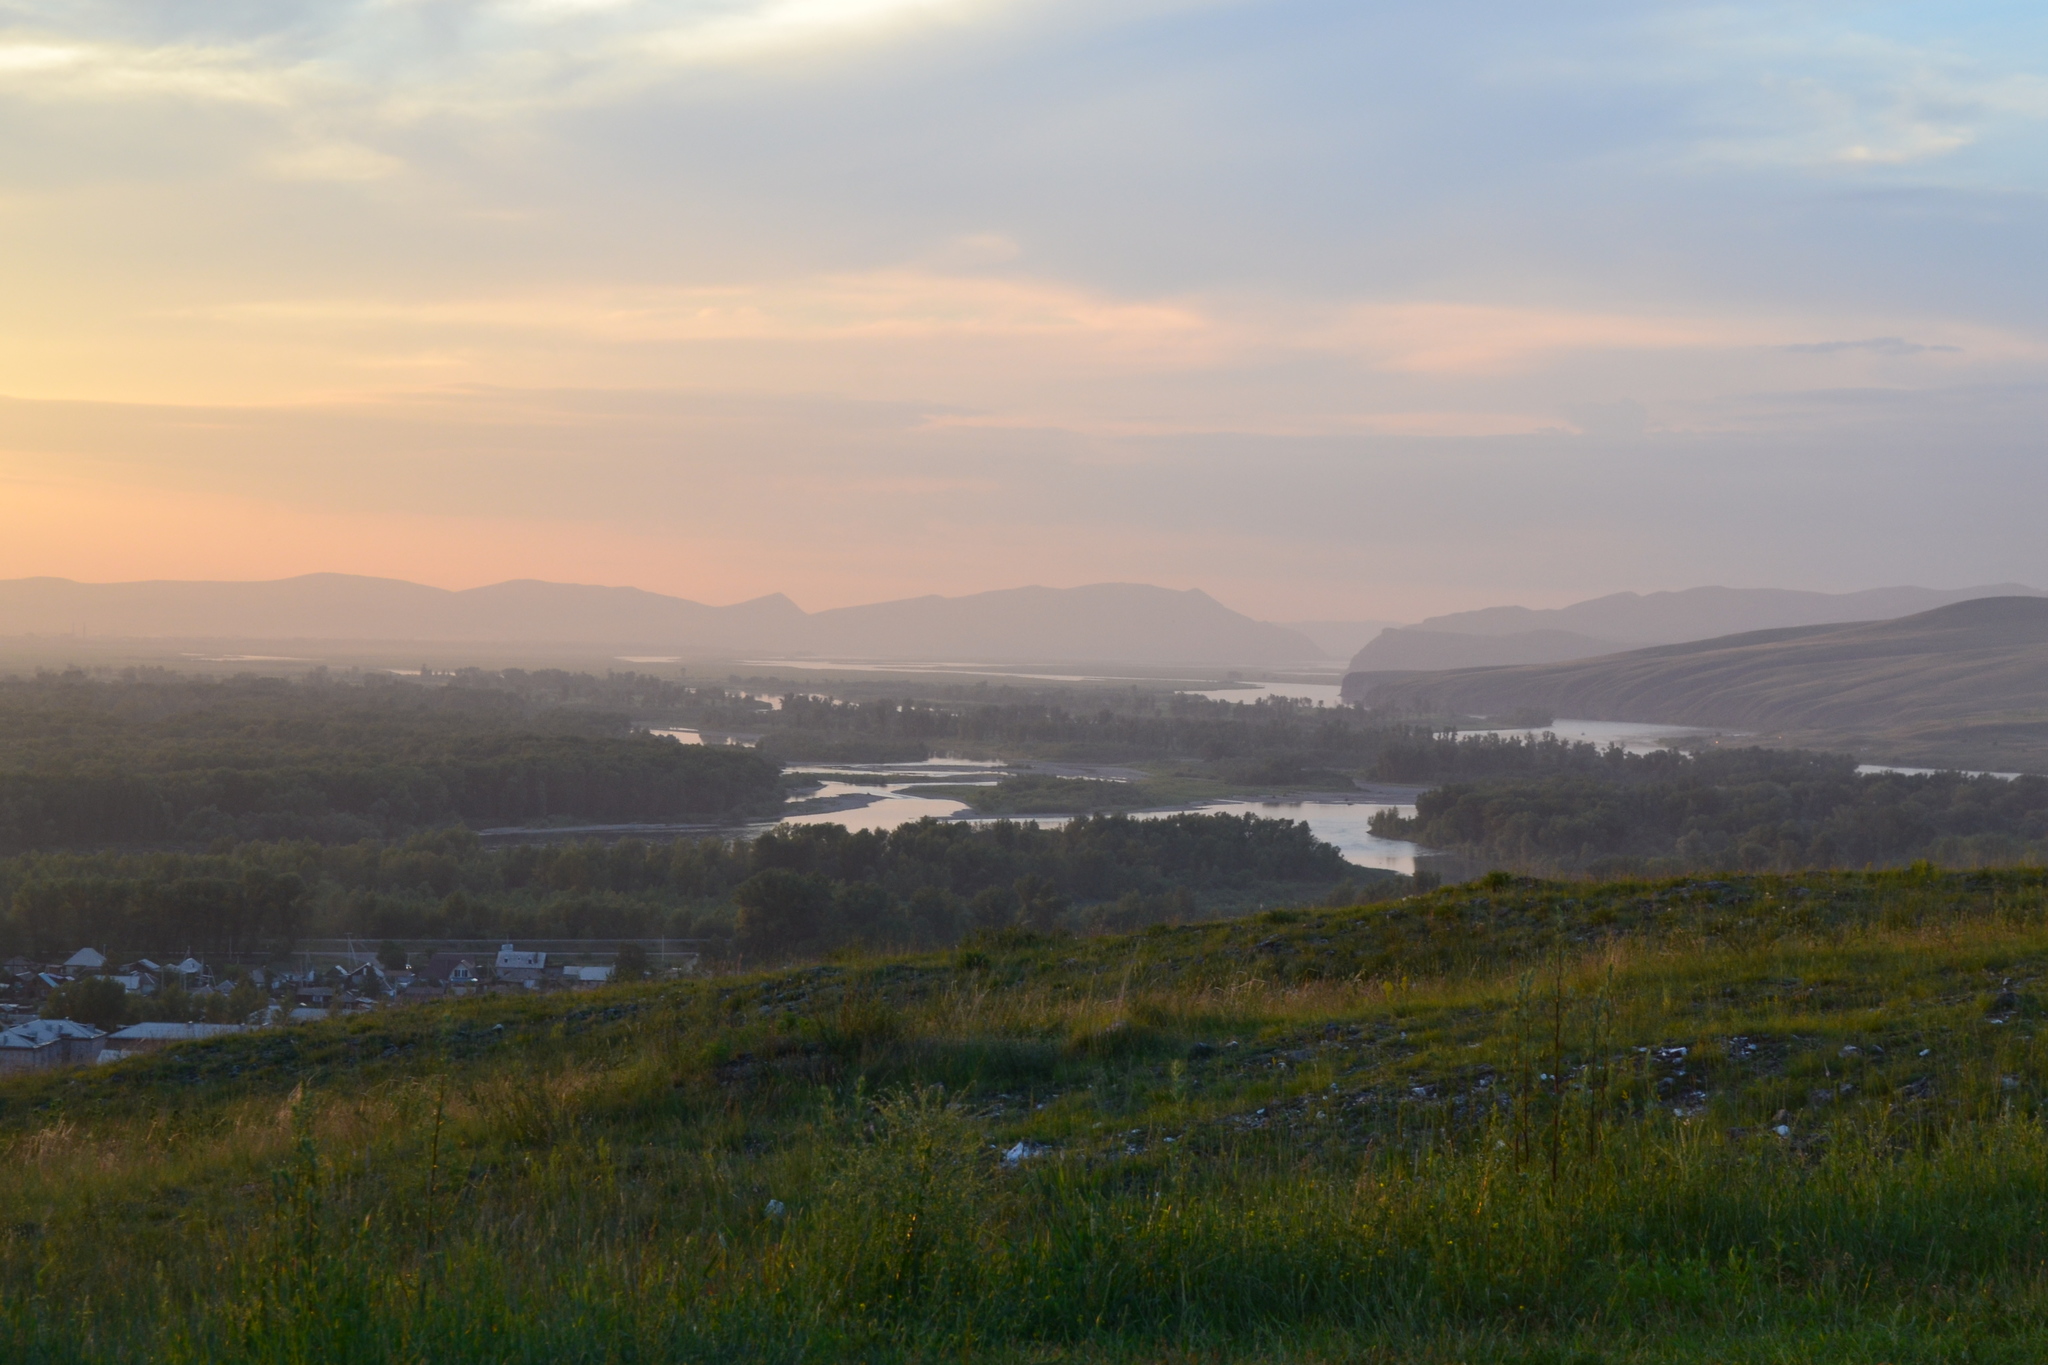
1108	622
780	682
1938	677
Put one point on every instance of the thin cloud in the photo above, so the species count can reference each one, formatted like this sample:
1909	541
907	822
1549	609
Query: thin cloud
1317	263
1875	345
104	72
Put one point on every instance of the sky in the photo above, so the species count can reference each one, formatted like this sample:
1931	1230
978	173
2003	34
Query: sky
1337	310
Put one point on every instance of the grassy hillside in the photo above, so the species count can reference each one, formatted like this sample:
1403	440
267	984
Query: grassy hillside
1742	1119
1963	685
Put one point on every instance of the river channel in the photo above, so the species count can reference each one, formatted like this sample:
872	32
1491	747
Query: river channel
881	796
878	799
1335	818
870	796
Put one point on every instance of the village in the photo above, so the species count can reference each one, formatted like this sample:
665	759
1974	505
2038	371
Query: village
88	1009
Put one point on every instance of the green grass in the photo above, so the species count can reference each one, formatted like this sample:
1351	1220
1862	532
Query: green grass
1450	1128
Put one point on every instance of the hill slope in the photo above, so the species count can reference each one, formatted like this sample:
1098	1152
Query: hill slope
1963	684
1604	625
1413	647
1104	622
1781	1118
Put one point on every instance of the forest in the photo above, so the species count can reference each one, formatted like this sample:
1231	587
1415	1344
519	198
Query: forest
793	891
189	807
1750	809
155	758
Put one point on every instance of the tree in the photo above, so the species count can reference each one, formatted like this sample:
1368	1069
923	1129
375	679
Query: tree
860	910
243	1001
934	915
631	964
993	909
97	1000
1043	907
780	912
392	956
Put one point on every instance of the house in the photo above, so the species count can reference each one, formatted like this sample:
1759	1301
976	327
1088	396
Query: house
41	1043
586	978
449	969
524	968
152	1036
17	983
140	977
85	962
367	979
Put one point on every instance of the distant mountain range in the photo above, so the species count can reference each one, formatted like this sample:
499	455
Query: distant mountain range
1626	620
1339	639
1102	623
1965	684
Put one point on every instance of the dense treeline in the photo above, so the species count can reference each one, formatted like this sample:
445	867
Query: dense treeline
795	889
1755	809
156	758
1274	733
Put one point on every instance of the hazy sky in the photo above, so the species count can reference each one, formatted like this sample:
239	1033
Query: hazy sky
1334	309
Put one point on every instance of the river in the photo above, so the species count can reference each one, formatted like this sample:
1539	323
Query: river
1339	821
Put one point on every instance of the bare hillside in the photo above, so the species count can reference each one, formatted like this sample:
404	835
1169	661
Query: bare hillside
1627	620
1965	684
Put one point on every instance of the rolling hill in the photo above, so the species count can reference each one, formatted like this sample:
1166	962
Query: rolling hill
1103	622
1965	684
1625	620
1781	1128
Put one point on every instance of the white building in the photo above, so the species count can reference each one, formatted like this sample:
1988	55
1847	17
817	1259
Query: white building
85	960
513	965
148	1037
49	1042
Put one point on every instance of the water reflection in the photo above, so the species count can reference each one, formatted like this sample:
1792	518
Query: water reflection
1637	737
1868	768
684	735
1327	693
1342	823
1324	694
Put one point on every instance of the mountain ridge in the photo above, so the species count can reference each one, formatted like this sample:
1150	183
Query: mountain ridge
1103	622
1964	684
1627	620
